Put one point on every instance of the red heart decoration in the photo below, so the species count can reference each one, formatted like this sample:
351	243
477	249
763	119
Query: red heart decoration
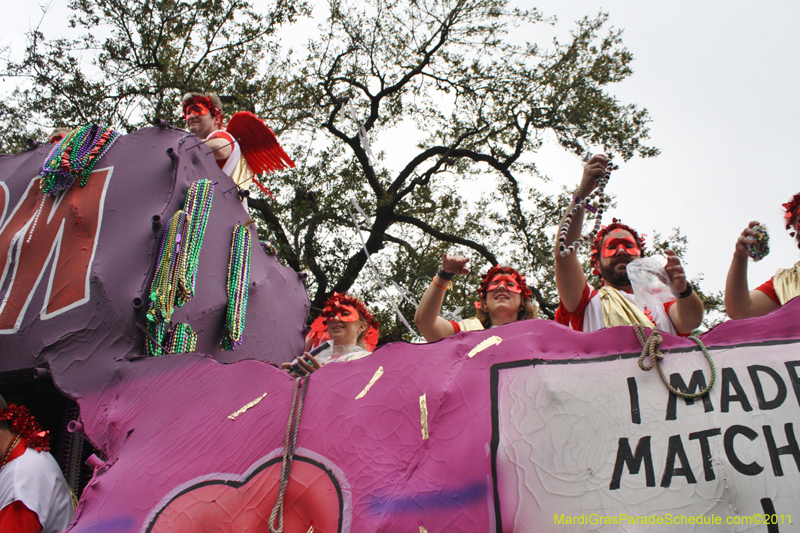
313	499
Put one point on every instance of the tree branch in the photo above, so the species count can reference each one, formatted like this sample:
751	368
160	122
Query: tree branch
277	229
446	237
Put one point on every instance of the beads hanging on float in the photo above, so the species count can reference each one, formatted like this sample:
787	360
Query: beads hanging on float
154	343
176	271
183	339
75	157
169	282
238	281
198	206
584	203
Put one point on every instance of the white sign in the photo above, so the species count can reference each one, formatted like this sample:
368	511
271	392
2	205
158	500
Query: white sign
603	446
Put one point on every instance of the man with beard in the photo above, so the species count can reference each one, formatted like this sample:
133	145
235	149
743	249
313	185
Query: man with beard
585	309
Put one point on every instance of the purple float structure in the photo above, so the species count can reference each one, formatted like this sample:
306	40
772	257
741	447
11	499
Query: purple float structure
522	428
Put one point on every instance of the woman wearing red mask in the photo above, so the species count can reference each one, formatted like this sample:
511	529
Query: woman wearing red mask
504	298
350	326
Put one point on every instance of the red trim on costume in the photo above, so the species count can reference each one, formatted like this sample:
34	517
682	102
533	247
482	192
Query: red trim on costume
575	318
455	325
228	137
19	519
768	288
18	450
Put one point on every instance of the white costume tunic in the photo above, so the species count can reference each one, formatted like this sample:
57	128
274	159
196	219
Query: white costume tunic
35	479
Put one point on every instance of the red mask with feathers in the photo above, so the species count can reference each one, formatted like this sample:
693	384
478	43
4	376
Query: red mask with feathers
500	275
199	106
350	309
597	243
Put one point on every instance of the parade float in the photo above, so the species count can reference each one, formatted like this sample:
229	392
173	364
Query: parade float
142	294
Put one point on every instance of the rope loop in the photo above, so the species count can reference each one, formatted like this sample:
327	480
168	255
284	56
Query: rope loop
650	347
289	444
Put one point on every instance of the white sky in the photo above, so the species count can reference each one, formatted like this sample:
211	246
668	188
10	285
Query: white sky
719	79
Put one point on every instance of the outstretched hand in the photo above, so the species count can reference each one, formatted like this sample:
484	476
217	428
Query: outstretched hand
455	264
592	171
747	237
675	271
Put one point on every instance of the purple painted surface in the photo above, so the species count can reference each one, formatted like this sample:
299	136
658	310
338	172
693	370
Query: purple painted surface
85	345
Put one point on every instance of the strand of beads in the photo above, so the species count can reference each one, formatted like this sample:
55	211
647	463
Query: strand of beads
170	273
154	343
238	281
198	206
759	248
599	193
72	157
75	156
183	339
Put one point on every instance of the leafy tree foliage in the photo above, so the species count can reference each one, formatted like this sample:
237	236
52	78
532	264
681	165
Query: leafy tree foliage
480	105
455	96
152	52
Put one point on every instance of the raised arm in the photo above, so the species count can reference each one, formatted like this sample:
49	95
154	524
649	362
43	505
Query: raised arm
740	301
687	313
221	143
430	324
570	280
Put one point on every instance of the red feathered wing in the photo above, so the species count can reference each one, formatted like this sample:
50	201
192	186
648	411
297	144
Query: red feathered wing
259	146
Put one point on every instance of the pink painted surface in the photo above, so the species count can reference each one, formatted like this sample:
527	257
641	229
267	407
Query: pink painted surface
164	426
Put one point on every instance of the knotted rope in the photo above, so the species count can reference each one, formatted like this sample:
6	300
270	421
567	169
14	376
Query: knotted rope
650	348
288	453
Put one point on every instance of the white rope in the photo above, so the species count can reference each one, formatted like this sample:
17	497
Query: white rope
375	270
362	133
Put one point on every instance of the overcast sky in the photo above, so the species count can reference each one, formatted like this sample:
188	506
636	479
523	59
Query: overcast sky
720	80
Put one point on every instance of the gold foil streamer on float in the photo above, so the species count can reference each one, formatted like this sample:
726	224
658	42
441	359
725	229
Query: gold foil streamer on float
491	341
233	415
423	411
378	374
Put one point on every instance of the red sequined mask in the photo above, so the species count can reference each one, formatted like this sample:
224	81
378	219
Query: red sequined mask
613	245
345	313
504	280
200	106
194	108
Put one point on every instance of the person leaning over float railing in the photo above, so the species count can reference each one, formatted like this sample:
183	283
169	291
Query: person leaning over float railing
740	302
504	298
351	328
